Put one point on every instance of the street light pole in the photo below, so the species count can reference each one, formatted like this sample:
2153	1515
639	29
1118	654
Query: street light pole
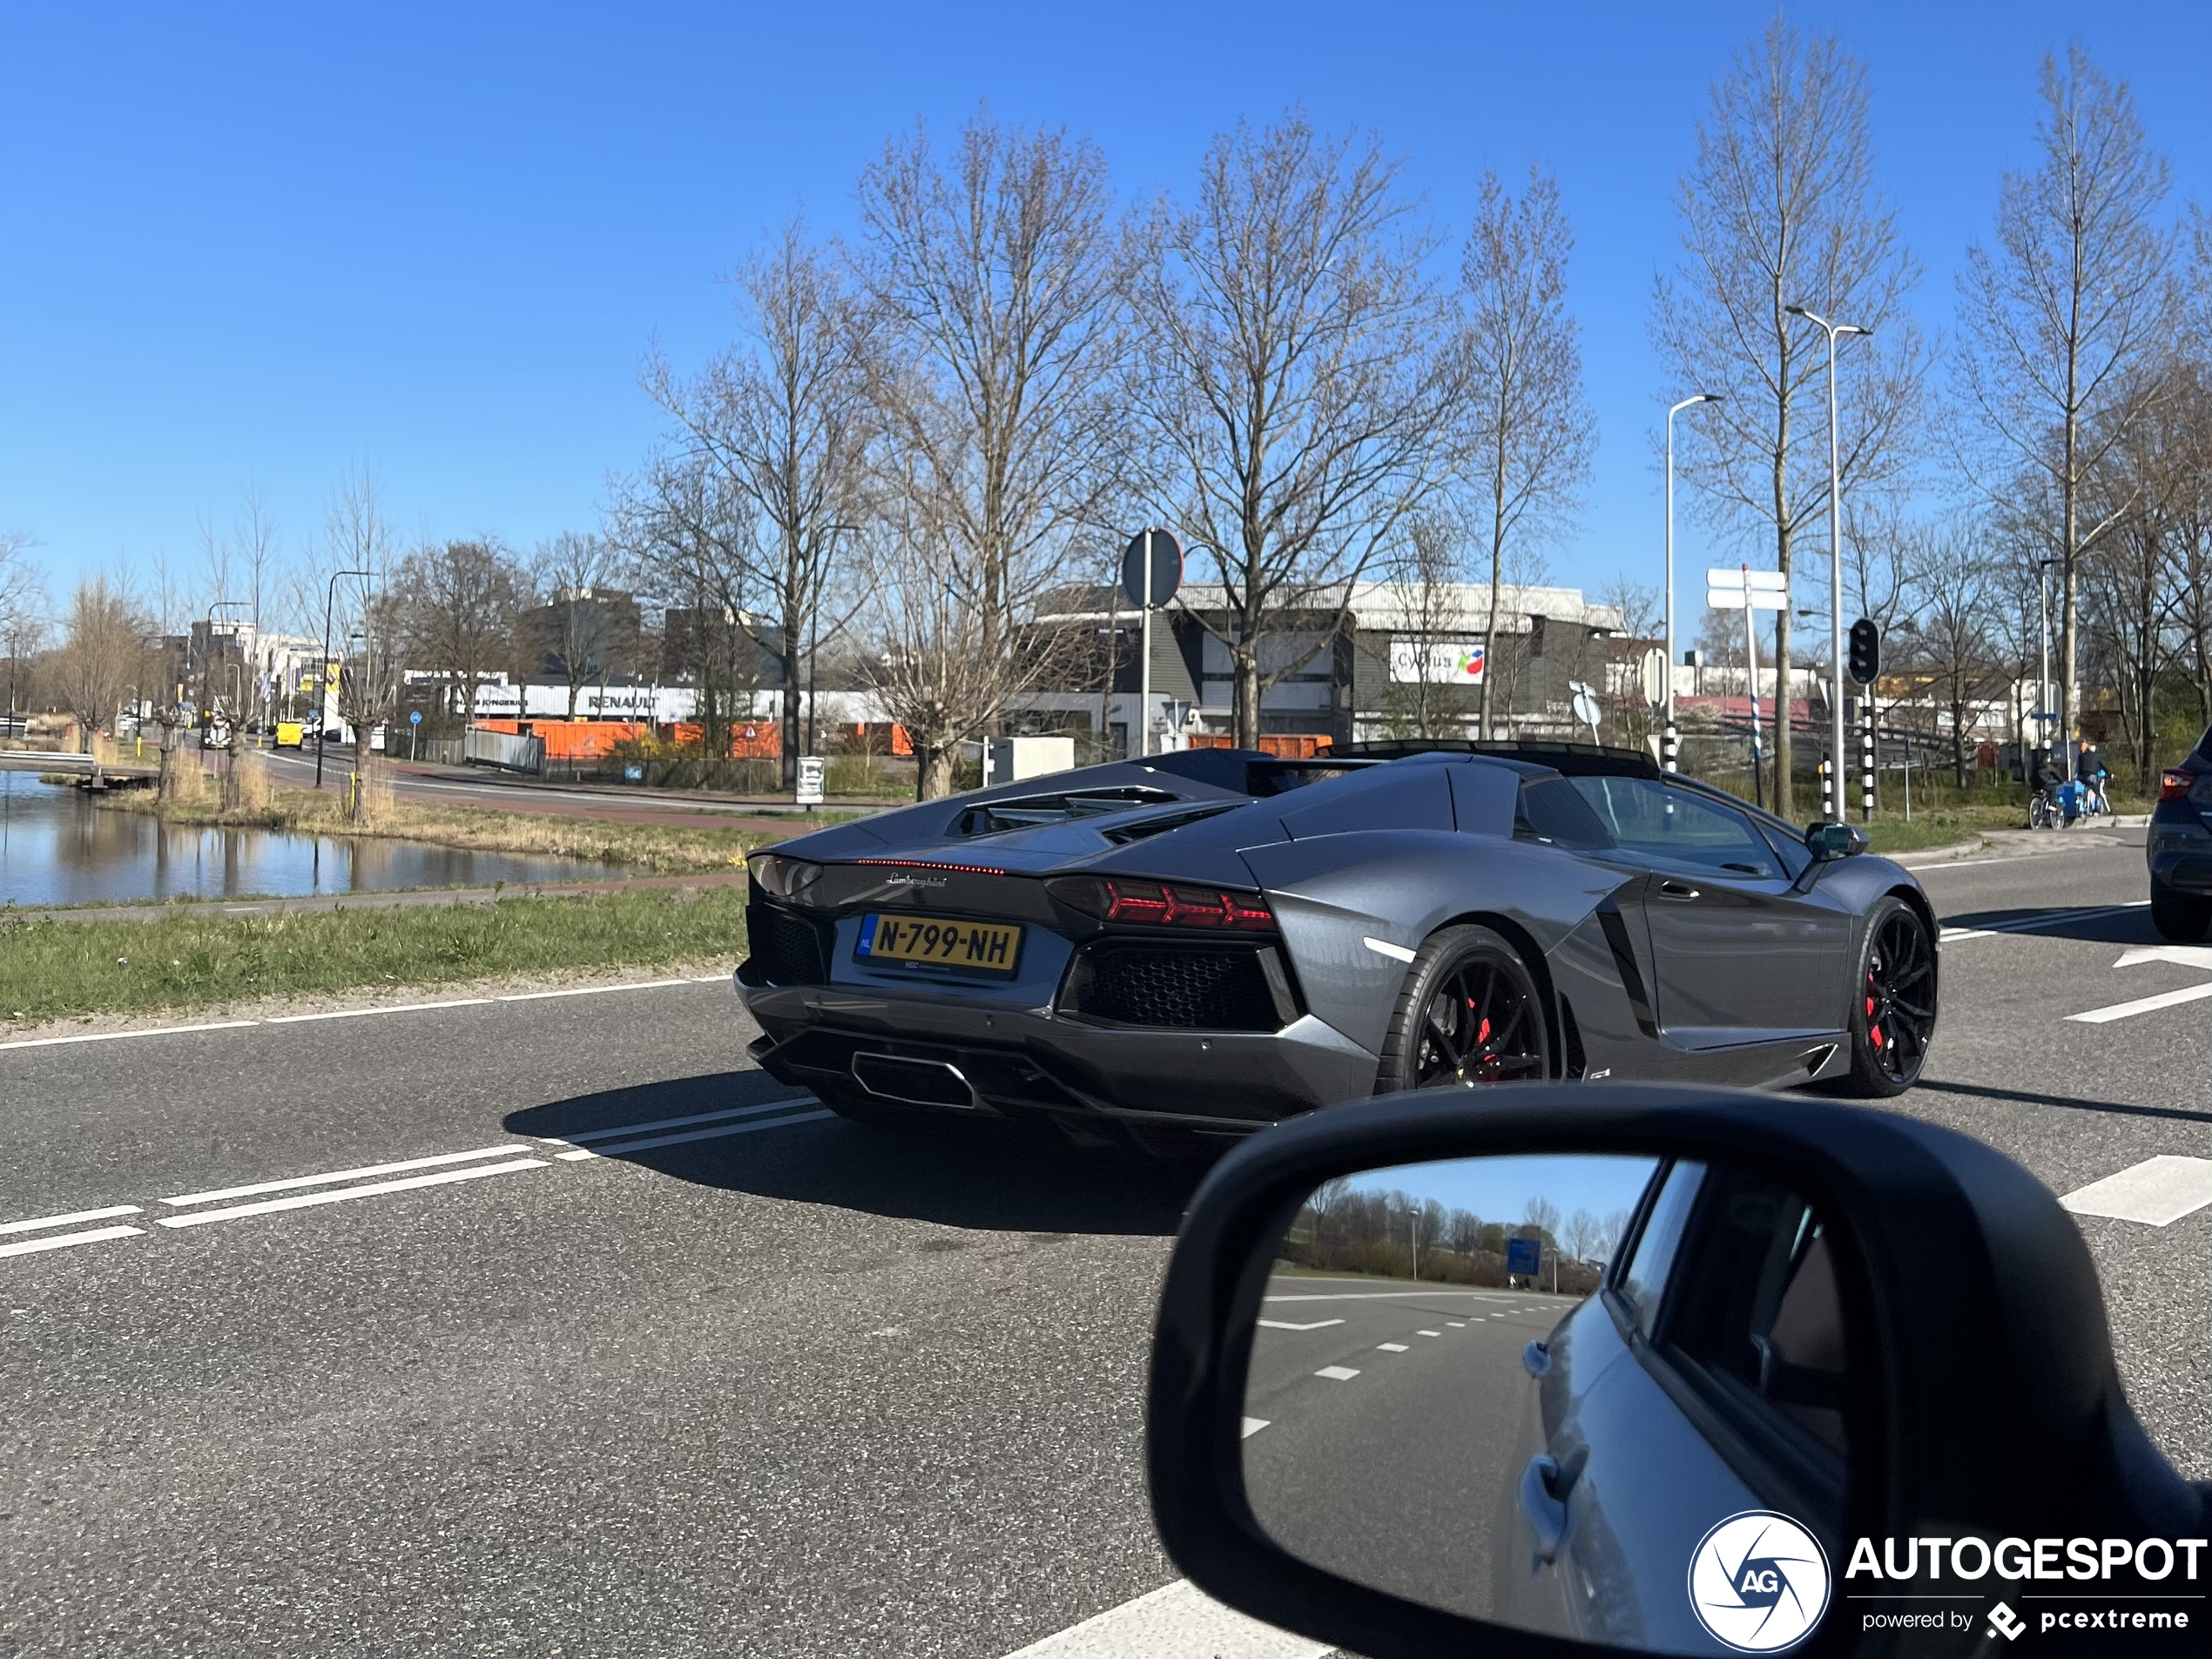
322	670
1668	742
1835	561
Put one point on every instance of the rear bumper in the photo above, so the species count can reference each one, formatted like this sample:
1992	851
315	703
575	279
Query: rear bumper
2179	851
1025	1063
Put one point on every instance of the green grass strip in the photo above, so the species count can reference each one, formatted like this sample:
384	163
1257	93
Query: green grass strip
56	969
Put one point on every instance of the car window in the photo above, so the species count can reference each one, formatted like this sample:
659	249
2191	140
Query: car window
1659	820
1752	1299
1550	810
1795	856
1641	1286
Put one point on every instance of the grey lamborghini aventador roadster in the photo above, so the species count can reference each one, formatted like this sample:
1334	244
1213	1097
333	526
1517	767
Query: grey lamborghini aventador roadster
1213	939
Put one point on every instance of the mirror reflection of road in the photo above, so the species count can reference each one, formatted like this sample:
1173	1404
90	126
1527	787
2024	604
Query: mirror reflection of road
1390	1475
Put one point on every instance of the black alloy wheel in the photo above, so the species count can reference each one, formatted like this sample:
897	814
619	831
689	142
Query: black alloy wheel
1470	1013
1893	1017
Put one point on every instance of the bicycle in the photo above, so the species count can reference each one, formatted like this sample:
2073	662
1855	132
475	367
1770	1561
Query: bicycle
2044	810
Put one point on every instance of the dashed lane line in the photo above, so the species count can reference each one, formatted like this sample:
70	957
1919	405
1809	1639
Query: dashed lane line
292	1182
1286	1325
2157	1192
1252	1425
39	1224
64	1241
2141	1005
1336	1374
305	1200
1177	1621
1381	1348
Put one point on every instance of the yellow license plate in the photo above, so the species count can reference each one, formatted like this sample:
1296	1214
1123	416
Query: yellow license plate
978	946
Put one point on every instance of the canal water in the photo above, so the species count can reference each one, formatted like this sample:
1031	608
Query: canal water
56	847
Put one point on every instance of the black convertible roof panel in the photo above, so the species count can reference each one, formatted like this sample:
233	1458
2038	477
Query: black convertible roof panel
1574	760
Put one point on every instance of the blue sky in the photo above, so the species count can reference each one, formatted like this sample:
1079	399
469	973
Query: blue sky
271	244
1500	1189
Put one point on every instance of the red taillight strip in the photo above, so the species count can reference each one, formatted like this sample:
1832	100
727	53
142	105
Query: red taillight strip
2176	783
926	864
1168	905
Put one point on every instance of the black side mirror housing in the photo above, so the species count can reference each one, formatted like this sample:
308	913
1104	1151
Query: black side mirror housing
1996	1408
1831	841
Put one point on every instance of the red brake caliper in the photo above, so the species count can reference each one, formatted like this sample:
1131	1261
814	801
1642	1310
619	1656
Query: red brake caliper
1873	1032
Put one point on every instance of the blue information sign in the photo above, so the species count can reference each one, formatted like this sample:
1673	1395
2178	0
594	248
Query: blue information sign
415	716
1524	1256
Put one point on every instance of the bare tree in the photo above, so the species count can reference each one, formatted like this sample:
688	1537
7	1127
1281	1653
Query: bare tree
358	536
1954	614
1583	1232
574	630
784	417
1780	208
1531	432
689	533
1541	1219
2061	315
459	601
1300	375
1428	568
993	284
100	658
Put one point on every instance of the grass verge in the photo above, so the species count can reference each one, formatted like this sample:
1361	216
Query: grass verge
52	970
656	849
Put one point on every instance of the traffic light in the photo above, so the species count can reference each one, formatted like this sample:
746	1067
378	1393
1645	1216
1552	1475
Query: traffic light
1865	651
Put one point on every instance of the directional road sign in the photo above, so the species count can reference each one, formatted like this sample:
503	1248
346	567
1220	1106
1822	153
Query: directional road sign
1165	553
1732	589
1524	1256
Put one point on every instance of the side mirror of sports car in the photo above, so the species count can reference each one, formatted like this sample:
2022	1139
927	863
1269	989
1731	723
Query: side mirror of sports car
1830	841
1550	1369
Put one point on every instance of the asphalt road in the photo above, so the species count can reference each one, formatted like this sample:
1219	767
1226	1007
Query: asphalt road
765	1383
1381	1422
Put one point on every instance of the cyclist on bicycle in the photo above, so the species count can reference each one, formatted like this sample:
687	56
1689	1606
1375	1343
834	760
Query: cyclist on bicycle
2047	780
2089	772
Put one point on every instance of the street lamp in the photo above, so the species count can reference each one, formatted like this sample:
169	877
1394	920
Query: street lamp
1835	558
1668	742
322	670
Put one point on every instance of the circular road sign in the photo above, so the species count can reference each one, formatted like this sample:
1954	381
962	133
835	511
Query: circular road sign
415	716
1166	556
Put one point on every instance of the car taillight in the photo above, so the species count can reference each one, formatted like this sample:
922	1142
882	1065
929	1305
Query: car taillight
2176	783
1164	904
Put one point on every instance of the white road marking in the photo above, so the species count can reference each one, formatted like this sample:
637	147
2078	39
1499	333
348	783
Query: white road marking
1272	1325
621	1147
1385	1347
39	1224
600	990
341	1014
1177	1621
2142	1005
64	1241
1384	948
1252	1425
2157	1192
1951	935
1457	1325
2185	955
117	1036
390	1008
303	1200
619	1130
1336	1374
326	1179
1376	1296
1428	1333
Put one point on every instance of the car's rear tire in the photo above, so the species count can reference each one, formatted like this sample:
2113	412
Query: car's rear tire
1469	1012
1893	1003
2181	917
